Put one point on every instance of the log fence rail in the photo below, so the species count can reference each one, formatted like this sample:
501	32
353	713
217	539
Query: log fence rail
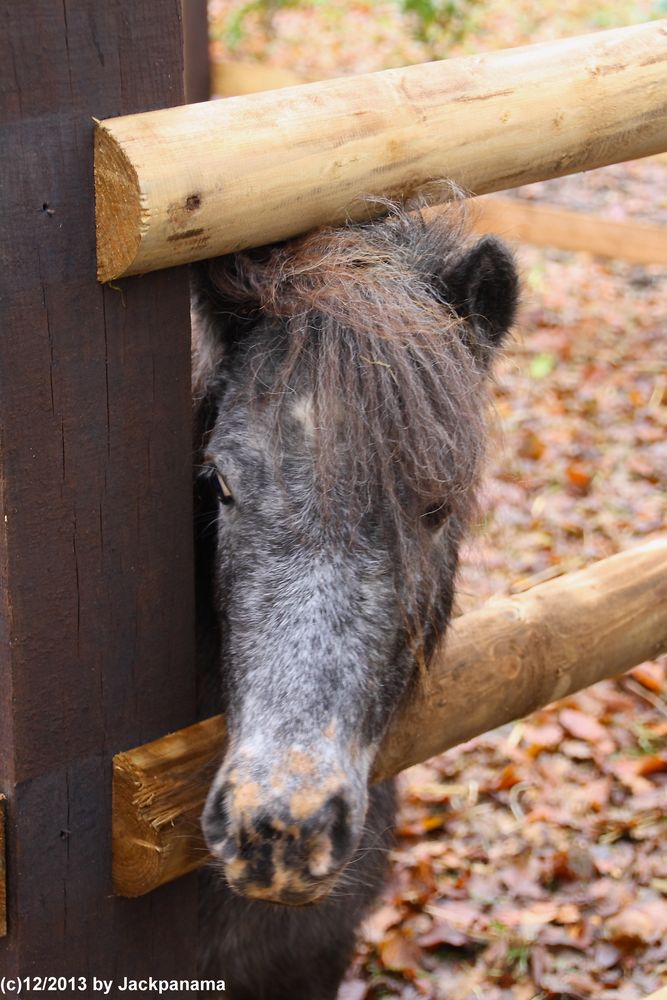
191	182
499	663
539	223
92	607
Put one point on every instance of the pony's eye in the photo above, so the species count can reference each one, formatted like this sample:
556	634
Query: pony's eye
222	490
435	517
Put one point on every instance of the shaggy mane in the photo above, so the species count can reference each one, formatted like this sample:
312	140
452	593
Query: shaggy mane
396	375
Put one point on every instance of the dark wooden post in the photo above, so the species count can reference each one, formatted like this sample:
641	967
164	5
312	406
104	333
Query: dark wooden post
3	871
195	48
96	636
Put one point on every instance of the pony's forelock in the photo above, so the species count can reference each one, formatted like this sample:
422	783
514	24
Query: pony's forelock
398	398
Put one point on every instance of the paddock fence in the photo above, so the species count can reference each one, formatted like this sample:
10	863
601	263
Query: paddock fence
96	560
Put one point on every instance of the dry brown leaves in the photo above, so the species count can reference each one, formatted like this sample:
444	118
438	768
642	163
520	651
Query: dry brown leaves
532	862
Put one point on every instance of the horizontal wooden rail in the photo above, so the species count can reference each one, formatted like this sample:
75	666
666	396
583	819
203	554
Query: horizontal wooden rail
3	871
551	226
232	78
512	656
532	222
186	183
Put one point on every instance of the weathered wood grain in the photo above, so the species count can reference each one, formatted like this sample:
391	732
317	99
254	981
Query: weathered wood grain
96	618
552	226
158	794
3	871
205	179
514	655
519	653
197	66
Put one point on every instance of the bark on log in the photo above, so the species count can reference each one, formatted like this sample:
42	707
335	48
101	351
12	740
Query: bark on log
187	183
512	656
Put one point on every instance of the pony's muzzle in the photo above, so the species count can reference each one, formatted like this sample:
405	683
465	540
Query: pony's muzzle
283	849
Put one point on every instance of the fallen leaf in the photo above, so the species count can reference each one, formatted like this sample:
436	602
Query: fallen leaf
651	675
508	777
578	476
455	913
353	989
583	727
379	921
568	913
543	912
547	736
442	933
399	954
531	446
630	929
542	365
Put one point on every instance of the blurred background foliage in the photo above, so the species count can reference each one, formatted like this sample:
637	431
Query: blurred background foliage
320	38
430	22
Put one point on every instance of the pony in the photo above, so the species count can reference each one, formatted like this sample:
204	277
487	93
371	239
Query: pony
339	384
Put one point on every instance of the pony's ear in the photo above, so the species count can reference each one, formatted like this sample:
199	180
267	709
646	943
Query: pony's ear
483	288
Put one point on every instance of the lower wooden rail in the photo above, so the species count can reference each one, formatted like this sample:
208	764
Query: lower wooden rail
499	663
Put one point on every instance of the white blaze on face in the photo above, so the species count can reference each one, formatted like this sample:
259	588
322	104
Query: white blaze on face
304	411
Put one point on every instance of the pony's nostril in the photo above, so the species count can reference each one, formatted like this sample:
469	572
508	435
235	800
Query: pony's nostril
267	831
215	819
332	837
245	844
340	825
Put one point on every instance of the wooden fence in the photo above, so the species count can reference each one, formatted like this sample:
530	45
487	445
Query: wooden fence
513	218
187	183
96	579
497	664
96	566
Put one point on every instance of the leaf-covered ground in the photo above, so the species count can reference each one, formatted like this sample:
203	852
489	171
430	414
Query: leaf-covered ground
531	863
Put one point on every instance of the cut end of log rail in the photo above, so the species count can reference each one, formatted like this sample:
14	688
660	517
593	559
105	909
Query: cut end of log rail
118	213
158	794
499	663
